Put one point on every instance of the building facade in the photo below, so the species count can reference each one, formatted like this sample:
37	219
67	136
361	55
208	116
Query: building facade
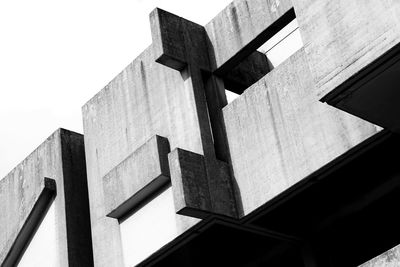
300	169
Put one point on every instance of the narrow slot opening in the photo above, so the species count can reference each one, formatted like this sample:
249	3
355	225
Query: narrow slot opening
275	48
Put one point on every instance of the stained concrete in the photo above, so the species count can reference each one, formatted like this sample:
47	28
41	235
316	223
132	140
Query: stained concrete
271	137
342	37
136	178
242	27
62	158
143	100
278	133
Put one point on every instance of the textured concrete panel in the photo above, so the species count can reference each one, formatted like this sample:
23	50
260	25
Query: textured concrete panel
177	41
390	258
145	99
342	37
140	175
197	194
243	23
15	242
279	133
62	158
189	182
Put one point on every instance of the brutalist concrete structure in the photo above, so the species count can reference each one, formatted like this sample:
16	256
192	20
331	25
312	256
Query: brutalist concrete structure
300	170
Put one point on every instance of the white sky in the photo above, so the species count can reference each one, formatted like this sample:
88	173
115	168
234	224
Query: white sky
55	55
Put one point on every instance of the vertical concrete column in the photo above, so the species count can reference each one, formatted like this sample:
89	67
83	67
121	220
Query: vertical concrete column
182	45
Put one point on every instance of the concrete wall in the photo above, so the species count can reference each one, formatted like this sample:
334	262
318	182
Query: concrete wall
145	99
279	133
61	157
342	37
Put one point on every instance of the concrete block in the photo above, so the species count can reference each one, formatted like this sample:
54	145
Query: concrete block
189	183
61	157
249	71
278	133
136	178
196	192
177	41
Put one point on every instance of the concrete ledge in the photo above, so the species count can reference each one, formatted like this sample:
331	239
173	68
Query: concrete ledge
137	177
16	246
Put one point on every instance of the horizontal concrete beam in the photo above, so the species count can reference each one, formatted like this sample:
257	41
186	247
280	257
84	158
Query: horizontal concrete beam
139	176
249	71
242	27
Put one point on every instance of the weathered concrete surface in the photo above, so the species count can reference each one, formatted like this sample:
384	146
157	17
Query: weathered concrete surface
279	133
140	175
178	40
390	258
243	24
189	182
143	100
62	158
342	37
14	239
193	192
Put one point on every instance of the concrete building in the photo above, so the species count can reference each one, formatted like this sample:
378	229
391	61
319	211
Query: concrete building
301	169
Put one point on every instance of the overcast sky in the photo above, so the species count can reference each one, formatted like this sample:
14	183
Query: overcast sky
55	55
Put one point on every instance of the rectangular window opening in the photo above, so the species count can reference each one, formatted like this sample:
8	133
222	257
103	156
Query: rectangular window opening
275	49
149	227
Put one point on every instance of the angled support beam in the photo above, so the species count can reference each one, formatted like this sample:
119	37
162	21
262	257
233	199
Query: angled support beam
31	223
